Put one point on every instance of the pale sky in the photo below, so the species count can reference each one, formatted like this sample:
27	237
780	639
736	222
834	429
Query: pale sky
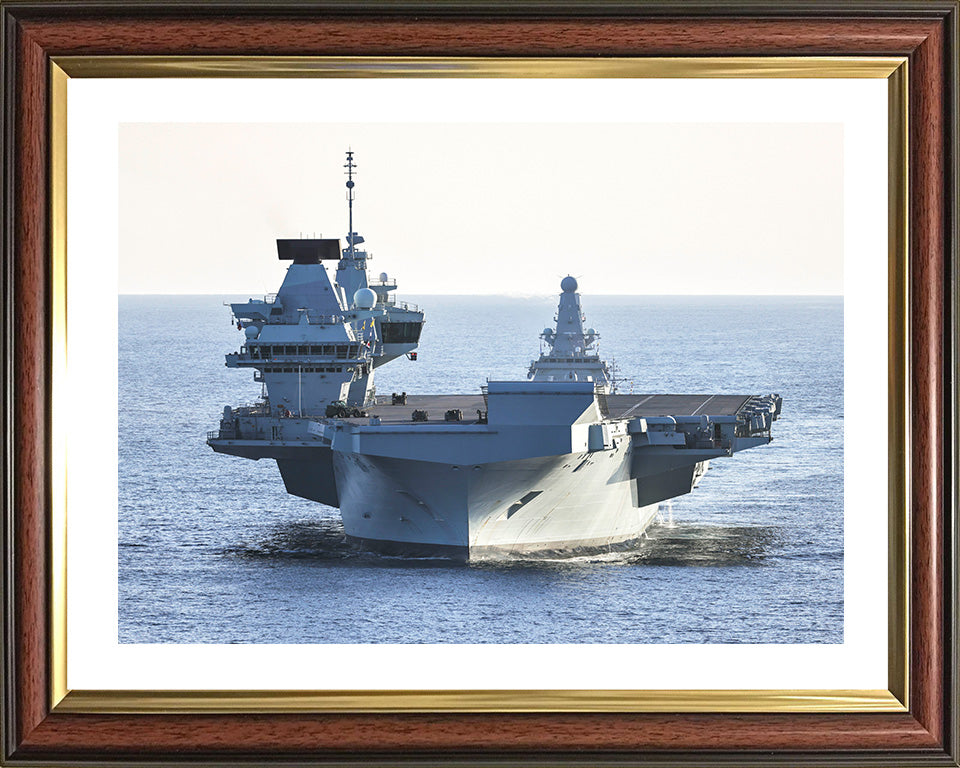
489	208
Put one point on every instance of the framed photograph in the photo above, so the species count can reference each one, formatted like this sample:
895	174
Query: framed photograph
755	208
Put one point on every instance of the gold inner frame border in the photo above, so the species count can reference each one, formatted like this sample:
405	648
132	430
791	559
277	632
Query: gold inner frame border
894	699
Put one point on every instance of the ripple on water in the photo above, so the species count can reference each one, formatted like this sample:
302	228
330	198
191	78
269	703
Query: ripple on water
678	544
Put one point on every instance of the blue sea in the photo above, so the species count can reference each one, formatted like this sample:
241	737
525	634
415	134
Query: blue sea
213	550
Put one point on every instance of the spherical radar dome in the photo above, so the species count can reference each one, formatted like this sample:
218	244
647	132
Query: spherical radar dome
364	299
568	284
251	331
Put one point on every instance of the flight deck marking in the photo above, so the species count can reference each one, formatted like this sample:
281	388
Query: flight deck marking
702	404
634	407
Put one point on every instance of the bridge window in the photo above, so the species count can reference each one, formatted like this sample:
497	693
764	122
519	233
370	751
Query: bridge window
316	351
400	333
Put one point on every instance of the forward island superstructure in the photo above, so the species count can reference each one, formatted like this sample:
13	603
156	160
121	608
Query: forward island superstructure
558	464
318	341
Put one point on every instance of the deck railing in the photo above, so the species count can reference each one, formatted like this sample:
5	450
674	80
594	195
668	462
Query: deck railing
409	306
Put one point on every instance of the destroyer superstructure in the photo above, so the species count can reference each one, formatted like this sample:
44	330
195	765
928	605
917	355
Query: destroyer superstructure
557	464
571	353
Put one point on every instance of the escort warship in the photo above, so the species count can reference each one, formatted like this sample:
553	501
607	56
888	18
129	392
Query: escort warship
557	464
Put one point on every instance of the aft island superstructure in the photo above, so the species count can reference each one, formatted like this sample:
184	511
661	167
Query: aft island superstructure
557	464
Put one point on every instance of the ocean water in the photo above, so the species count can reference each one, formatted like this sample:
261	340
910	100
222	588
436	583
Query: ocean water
213	550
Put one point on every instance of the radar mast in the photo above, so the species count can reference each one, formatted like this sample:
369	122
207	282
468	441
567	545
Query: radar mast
351	236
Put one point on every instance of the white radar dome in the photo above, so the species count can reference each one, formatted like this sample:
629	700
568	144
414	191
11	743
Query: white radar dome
383	277
364	299
251	331
568	284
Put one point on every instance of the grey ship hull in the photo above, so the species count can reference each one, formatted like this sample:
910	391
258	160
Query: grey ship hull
589	482
529	506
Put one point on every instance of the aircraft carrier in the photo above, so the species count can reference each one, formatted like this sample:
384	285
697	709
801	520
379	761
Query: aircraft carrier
556	464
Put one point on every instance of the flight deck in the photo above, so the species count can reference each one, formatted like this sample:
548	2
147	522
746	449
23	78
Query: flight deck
618	406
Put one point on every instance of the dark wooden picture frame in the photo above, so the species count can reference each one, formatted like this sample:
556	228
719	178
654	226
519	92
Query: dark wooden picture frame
34	33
